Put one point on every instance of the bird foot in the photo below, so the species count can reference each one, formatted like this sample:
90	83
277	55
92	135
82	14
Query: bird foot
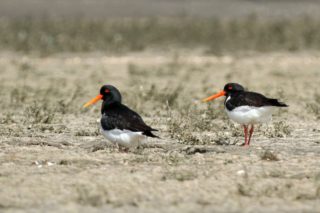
244	145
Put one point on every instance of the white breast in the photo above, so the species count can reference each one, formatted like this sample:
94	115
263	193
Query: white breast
125	137
250	115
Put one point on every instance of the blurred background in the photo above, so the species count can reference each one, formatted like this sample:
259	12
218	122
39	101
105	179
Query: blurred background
118	26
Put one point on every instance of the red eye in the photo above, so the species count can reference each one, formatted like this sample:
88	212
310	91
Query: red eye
107	91
230	87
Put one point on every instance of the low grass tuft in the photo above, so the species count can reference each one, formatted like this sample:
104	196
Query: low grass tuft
39	112
279	129
314	107
269	156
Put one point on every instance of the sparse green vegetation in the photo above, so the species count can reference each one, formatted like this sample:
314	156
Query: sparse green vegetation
314	106
97	197
279	129
269	156
216	36
182	175
39	113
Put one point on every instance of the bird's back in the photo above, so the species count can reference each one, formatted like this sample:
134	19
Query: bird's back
252	99
119	116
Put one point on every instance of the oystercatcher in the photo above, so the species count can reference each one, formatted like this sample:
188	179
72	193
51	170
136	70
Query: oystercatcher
119	124
246	108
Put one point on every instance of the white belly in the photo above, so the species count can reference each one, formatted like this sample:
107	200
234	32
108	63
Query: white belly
125	137
250	115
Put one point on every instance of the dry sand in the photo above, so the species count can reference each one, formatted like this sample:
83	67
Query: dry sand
53	158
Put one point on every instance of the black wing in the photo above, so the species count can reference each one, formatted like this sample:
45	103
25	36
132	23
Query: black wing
121	117
252	99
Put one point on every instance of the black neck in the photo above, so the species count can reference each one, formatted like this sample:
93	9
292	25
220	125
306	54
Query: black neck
108	104
229	104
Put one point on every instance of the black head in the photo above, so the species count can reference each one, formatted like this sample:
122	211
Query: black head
231	88
110	94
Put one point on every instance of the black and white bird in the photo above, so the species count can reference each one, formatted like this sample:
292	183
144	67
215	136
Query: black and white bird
246	108
119	124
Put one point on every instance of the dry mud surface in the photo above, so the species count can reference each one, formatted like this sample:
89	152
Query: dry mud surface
53	158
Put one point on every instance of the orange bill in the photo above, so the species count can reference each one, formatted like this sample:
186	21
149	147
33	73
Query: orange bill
92	101
221	93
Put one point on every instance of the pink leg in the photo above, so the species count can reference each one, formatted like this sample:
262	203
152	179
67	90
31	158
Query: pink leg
250	134
245	127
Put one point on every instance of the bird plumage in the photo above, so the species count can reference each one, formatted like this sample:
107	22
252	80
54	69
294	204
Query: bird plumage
120	124
119	116
245	98
246	108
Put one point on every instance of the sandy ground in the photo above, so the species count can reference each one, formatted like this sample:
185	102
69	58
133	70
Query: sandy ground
53	158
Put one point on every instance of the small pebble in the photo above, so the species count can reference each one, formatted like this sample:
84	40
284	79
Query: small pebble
241	172
50	163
